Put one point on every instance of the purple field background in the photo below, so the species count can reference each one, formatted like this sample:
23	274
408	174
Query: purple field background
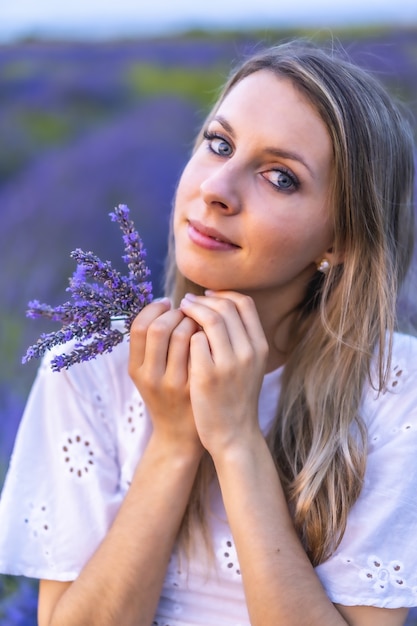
84	127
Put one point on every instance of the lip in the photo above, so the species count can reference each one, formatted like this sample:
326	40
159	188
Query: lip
209	238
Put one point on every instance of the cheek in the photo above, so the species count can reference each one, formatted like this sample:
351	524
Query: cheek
292	245
187	193
183	195
179	223
179	202
189	179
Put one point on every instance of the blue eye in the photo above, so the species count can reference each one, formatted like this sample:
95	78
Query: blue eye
218	144
282	180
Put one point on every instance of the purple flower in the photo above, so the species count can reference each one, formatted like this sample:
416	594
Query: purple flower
87	317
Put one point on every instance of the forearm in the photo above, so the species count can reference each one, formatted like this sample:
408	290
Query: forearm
121	583
278	578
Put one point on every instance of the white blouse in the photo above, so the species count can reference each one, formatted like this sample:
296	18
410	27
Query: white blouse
78	444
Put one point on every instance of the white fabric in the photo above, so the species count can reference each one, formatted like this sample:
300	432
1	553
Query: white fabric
79	442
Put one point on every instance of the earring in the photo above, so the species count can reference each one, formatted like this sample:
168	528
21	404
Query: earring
323	266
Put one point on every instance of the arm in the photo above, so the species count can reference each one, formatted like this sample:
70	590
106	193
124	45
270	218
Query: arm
370	615
281	586
122	581
280	583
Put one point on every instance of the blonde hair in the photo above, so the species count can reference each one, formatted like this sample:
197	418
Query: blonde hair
318	439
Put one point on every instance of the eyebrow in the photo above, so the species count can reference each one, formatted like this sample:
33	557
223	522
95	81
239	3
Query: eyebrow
276	152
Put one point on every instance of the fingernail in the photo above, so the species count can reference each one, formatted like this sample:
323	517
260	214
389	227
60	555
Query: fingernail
189	297
208	292
163	300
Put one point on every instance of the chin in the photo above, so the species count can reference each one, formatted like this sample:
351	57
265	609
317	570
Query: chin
206	282
204	276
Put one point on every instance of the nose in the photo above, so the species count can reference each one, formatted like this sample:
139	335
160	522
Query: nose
221	190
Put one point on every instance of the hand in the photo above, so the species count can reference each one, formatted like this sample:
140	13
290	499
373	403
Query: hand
159	365
227	364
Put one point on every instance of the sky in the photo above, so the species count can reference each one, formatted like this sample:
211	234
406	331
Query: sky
112	18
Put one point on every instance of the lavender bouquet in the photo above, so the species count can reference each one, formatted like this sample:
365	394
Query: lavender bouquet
100	295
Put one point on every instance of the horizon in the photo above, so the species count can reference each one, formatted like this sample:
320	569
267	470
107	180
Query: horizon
101	19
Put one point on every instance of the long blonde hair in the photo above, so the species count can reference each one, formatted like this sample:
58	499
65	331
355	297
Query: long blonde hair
318	439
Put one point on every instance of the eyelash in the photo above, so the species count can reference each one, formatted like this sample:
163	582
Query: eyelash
210	136
295	182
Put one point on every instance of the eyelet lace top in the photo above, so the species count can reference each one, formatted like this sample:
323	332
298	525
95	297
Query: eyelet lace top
79	442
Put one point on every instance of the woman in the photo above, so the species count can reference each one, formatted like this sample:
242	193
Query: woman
257	465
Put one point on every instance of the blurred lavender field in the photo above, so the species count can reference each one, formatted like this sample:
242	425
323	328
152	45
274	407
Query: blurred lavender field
86	126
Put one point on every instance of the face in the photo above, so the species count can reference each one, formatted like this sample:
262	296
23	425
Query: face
252	207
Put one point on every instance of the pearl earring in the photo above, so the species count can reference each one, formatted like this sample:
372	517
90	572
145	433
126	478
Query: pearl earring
323	266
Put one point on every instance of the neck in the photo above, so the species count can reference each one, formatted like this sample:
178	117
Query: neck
277	328
277	315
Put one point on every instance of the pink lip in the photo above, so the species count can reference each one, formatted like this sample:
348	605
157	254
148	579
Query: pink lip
208	238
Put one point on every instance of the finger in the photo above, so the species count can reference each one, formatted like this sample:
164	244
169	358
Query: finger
140	328
247	312
241	319
158	339
140	325
222	325
177	366
249	317
200	348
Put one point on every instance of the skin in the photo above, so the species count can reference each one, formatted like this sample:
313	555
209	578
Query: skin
281	229
218	347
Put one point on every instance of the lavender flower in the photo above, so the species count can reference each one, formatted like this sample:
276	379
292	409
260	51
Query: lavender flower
100	294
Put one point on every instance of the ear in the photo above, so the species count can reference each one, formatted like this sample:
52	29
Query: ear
333	258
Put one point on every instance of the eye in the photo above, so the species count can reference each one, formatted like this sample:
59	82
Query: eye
282	179
218	144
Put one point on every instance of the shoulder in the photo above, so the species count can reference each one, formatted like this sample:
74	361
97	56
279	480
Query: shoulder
390	416
89	379
403	361
93	393
376	561
68	473
396	402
